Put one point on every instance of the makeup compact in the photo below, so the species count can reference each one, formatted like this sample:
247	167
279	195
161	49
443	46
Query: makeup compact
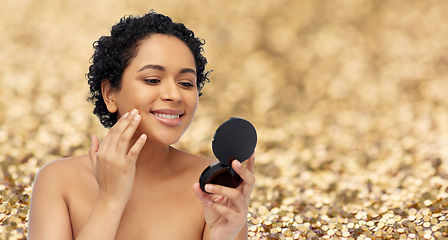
235	139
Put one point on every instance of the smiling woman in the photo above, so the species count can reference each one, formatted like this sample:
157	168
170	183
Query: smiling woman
145	81
160	82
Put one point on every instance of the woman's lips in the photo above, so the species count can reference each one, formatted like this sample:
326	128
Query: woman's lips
168	117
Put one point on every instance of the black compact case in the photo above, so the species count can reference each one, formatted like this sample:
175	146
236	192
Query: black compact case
236	139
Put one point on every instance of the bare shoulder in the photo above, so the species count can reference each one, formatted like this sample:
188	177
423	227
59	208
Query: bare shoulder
63	176
49	217
64	168
78	161
59	175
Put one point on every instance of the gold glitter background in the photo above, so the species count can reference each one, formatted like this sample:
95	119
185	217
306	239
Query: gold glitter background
349	98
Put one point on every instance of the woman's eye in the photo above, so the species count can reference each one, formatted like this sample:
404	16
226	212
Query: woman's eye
186	84
153	81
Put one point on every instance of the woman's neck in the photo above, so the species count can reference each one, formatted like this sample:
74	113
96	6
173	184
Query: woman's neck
153	160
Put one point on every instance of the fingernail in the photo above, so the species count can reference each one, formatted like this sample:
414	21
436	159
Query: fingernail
137	117
238	164
125	115
134	111
208	187
143	136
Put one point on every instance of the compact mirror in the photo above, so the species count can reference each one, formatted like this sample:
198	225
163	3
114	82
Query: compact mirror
235	139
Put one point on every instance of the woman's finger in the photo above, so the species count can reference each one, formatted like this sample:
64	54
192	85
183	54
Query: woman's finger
135	150
125	138
231	215
248	178
119	127
251	163
232	194
110	134
219	199
206	199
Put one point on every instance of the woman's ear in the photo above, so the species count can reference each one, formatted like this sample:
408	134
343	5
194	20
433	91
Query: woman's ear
109	96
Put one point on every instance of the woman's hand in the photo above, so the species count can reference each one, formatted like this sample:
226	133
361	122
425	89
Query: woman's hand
114	162
225	210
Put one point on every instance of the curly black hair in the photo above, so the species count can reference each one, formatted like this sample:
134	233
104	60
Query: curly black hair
113	54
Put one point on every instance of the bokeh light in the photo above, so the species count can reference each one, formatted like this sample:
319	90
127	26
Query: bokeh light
348	98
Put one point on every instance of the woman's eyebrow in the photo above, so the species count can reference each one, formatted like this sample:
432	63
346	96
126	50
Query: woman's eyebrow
187	70
152	66
162	68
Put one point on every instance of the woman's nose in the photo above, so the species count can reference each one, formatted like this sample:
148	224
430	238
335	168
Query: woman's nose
170	92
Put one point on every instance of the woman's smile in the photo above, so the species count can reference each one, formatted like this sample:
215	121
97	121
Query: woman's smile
168	117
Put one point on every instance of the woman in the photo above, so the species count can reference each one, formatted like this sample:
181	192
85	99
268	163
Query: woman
145	81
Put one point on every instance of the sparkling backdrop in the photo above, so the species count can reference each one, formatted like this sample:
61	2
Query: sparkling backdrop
348	98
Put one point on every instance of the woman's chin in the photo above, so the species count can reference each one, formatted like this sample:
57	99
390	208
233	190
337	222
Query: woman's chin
161	138
163	141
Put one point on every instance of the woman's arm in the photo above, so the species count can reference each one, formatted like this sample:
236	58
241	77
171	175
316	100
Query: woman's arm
49	214
113	165
49	217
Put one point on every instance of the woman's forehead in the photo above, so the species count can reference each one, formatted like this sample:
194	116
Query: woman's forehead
164	50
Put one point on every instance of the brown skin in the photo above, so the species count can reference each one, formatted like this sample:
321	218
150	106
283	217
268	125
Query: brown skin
135	186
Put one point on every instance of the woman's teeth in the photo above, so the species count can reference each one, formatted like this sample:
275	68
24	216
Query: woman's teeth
167	116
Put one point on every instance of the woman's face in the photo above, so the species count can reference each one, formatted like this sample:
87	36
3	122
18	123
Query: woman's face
161	83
